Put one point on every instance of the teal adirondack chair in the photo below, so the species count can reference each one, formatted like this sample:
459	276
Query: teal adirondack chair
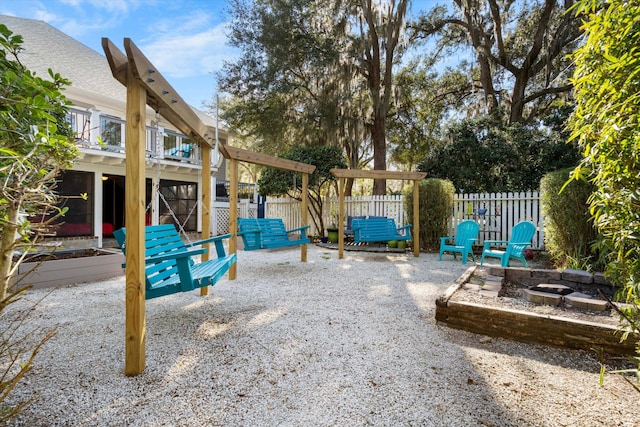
466	235
521	236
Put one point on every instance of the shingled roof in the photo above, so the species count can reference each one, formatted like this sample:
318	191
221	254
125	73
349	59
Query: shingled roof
47	47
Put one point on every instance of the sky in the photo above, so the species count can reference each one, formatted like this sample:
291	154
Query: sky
185	39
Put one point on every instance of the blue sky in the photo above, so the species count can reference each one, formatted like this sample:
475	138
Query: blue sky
184	39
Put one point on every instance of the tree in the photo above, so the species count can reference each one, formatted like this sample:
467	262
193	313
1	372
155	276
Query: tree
36	146
294	93
606	123
314	73
280	182
520	49
485	155
381	27
421	103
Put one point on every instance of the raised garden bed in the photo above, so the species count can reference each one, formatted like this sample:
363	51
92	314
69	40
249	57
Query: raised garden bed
492	313
70	268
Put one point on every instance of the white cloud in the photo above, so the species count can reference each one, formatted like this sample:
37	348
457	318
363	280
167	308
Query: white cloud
118	6
189	49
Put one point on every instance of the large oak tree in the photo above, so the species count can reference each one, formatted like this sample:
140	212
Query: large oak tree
520	50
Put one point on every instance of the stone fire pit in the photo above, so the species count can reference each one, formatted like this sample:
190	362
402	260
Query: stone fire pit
566	311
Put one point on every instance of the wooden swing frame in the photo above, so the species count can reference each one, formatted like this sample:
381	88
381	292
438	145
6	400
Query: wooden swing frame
416	177
146	86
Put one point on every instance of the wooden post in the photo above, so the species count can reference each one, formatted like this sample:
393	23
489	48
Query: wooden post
341	218
305	216
416	218
135	137
233	214
206	205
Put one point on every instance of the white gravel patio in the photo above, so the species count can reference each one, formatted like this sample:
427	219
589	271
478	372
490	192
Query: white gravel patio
330	342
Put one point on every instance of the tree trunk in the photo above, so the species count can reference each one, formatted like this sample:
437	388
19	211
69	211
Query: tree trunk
8	245
517	98
348	188
379	153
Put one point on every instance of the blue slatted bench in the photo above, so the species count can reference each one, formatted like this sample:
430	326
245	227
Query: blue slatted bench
269	233
376	229
169	267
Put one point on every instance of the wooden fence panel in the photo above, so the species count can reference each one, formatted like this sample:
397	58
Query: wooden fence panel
497	213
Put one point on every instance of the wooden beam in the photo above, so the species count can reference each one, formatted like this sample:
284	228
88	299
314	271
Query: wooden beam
206	206
135	317
233	214
160	94
164	98
266	160
305	209
376	174
117	61
343	183
416	218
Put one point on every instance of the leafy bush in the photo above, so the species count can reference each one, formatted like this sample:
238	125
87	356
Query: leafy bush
278	182
35	145
606	124
435	206
485	155
569	232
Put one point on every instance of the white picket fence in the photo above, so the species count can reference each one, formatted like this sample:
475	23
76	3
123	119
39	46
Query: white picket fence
496	213
289	210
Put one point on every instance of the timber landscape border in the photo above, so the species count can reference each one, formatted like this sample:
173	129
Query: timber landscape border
530	327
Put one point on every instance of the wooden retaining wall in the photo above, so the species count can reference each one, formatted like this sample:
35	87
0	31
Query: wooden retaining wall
529	327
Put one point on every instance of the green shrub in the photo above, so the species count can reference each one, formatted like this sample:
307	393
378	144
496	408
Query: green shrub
569	232
435	206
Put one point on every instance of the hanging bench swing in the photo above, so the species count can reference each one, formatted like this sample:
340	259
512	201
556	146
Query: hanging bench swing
269	233
169	264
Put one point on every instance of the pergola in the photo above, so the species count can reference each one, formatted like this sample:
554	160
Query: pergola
416	177
146	86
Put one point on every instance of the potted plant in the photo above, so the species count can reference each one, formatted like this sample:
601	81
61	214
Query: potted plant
332	230
392	244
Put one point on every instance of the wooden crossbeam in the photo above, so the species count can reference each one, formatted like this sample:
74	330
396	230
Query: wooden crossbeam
343	174
377	174
266	160
161	96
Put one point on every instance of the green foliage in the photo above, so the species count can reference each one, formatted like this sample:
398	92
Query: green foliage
415	125
485	155
606	124
520	52
288	87
35	145
279	182
435	205
314	72
36	141
569	232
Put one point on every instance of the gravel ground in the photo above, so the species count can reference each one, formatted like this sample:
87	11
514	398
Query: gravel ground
330	342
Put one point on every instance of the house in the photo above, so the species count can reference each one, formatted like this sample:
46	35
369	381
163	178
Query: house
97	115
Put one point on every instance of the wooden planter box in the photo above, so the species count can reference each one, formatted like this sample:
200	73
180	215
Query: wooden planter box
529	327
69	271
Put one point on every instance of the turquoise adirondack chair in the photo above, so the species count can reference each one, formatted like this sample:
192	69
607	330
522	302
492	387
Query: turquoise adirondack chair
466	235
521	235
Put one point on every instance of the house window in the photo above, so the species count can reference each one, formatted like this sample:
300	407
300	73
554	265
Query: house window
111	131
179	199
80	122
